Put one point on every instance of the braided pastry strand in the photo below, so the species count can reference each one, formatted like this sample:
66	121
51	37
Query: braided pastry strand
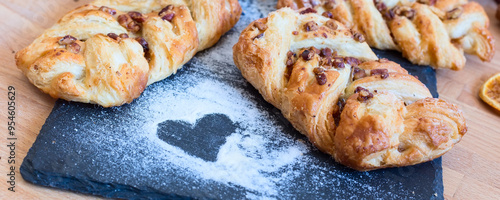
427	32
107	52
367	113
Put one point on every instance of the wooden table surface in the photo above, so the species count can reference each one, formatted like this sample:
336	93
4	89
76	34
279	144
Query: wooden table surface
470	170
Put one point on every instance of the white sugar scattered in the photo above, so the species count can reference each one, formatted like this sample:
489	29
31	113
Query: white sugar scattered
243	159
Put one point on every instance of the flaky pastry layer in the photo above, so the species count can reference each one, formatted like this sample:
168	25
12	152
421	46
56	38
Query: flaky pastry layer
427	32
108	51
368	113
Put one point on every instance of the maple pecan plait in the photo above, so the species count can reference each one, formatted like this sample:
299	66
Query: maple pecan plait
108	51
427	32
365	112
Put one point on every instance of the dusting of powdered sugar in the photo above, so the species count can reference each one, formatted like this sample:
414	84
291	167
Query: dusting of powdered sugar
243	160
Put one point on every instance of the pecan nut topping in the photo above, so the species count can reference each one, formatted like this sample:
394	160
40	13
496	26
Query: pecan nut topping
68	39
107	10
307	54
364	94
143	43
137	16
358	37
331	24
358	73
290	59
113	36
308	10
311	26
321	78
167	13
70	44
327	14
127	22
384	73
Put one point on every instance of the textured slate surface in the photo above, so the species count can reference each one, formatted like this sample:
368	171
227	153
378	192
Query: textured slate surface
205	133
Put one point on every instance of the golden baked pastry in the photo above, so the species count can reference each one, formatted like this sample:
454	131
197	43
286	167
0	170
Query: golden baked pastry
365	112
427	32
108	51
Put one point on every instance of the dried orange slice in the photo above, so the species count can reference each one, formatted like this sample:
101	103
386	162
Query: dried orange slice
490	92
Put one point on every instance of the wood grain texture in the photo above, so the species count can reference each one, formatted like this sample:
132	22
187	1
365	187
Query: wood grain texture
470	170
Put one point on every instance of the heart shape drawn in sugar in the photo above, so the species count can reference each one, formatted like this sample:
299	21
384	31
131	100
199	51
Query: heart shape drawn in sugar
203	139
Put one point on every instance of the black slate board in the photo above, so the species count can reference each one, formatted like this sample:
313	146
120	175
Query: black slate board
227	143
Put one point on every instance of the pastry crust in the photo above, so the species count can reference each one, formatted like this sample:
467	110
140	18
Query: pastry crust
306	68
87	57
427	32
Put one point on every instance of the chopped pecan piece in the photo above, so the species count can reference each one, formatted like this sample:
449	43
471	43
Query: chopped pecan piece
331	24
107	10
113	36
381	7
404	11
143	43
338	110
319	70
326	52
326	62
307	55
354	62
384	73
410	14
137	16
358	37
68	39
311	26
70	43
389	15
317	51
127	22
321	78
327	14
339	63
364	94
290	59
167	13
358	73
308	10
